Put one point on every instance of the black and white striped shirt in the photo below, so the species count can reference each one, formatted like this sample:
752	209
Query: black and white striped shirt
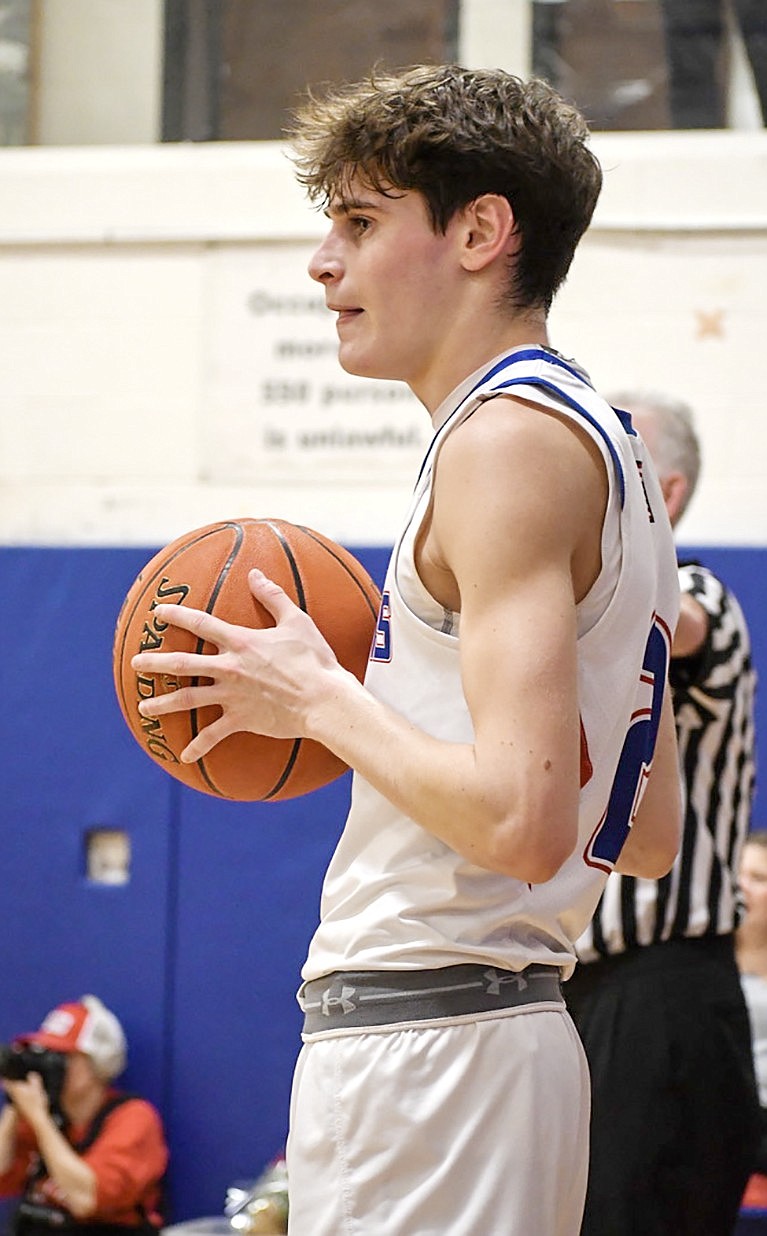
714	708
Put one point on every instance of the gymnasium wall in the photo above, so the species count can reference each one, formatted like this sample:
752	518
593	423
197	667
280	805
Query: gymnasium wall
168	363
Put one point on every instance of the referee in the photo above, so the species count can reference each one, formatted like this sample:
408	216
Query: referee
657	997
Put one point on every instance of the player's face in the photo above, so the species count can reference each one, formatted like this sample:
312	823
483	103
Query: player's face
753	882
390	279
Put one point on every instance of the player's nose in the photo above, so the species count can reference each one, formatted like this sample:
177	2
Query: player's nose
325	263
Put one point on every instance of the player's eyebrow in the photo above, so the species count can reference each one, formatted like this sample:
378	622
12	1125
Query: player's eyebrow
348	205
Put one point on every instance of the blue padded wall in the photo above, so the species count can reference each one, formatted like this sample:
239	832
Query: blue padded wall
200	953
69	765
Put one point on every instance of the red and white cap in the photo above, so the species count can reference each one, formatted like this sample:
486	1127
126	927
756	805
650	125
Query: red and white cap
85	1025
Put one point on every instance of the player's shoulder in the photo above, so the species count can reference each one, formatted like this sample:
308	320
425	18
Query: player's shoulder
509	465
515	428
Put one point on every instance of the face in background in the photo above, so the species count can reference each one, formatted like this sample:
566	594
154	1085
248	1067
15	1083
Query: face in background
753	883
643	420
80	1081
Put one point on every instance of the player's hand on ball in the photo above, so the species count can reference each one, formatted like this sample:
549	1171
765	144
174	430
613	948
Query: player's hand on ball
265	681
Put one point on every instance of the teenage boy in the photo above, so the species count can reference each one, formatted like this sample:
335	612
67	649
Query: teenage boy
504	734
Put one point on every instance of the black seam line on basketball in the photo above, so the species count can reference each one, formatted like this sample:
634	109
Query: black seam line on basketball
373	609
193	718
287	770
301	600
142	595
288	552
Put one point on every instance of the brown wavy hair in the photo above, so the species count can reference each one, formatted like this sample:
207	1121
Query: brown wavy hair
452	134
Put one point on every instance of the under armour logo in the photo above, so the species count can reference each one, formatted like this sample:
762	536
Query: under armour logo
344	1001
495	982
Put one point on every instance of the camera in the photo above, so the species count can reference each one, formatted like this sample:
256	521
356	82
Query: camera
18	1060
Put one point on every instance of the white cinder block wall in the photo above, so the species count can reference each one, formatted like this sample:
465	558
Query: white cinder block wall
168	362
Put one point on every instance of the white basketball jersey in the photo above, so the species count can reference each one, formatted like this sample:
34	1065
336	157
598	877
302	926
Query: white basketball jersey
396	897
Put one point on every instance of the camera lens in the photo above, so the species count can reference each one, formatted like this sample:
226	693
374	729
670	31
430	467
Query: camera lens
14	1064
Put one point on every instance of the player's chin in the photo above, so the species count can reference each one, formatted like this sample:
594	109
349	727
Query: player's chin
351	361
363	365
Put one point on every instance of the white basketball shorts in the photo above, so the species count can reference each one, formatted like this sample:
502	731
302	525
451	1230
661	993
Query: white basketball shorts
474	1126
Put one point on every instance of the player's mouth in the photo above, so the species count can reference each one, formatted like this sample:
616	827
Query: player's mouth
344	315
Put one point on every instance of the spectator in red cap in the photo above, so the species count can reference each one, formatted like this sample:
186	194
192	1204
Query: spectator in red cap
91	1158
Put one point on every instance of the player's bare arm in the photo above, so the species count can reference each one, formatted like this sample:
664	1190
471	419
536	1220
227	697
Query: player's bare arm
508	801
655	834
521	557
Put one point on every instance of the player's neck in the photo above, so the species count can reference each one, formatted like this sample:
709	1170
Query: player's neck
457	360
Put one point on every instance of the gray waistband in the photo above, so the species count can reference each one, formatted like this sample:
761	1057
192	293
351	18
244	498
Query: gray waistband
358	998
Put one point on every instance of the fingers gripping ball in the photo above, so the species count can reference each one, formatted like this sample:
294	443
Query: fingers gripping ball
207	569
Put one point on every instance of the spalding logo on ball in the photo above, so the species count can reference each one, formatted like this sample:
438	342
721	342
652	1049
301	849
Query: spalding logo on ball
207	569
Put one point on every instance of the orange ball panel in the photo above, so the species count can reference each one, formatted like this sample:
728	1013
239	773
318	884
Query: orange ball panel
207	569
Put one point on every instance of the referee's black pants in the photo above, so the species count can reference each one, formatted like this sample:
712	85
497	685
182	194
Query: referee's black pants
675	1112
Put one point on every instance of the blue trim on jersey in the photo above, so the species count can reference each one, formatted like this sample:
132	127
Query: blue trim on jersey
537	354
573	403
626	422
528	354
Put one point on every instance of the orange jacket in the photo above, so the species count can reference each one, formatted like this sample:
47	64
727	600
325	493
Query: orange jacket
128	1157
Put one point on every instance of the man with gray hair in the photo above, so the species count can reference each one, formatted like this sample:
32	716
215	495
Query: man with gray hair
656	996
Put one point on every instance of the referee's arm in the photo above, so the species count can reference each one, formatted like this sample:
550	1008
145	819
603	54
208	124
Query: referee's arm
692	628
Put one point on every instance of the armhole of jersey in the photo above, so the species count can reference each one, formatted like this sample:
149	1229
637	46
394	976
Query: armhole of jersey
556	401
415	593
409	586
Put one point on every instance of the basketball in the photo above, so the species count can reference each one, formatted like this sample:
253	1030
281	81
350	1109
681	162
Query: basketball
207	569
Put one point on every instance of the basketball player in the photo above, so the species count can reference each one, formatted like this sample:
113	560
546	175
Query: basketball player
515	697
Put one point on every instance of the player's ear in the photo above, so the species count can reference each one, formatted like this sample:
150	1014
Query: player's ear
488	231
674	486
